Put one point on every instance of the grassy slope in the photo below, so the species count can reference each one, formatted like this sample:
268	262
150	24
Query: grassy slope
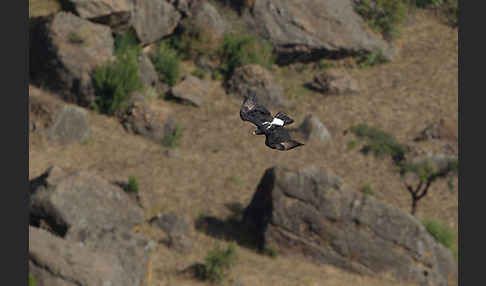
400	97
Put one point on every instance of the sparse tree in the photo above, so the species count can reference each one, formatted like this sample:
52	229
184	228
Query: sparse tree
427	171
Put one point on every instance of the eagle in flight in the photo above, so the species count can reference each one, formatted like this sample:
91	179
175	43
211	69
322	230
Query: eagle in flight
277	136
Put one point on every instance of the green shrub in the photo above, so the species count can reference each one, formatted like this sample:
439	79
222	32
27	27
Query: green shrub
132	186
172	138
367	190
115	81
270	252
31	280
382	15
441	232
379	142
127	43
238	50
371	59
216	75
167	63
199	72
217	262
427	3
324	64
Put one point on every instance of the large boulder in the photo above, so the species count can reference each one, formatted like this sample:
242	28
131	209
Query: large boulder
140	119
54	261
74	204
310	29
114	13
206	18
92	9
154	19
59	122
313	129
190	90
84	208
309	212
64	50
254	78
335	82
177	229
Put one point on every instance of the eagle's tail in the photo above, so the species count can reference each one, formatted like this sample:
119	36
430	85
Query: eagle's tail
282	116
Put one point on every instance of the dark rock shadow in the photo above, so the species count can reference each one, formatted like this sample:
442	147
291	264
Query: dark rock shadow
232	228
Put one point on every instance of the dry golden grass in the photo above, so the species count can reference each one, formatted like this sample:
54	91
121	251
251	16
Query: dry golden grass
221	163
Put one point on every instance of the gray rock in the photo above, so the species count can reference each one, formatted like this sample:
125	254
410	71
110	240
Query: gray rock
76	204
442	130
313	129
307	29
70	125
254	78
59	122
206	17
57	262
113	13
154	19
64	50
148	74
178	230
335	82
308	212
184	6
86	209
140	119
191	90
89	9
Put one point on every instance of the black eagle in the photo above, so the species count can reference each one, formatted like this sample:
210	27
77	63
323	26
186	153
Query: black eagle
277	136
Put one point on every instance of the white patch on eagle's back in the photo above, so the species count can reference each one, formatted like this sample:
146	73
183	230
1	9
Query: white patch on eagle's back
277	121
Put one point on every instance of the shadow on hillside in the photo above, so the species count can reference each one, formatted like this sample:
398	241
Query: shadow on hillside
229	229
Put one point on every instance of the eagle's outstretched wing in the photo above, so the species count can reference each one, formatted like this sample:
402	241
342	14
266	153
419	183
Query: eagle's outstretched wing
254	112
279	138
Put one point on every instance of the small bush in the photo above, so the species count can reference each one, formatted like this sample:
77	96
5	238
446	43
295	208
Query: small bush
115	81
127	43
270	252
441	232
217	262
427	3
367	190
31	280
379	142
371	59
132	186
324	64
382	15
216	75
172	138
239	50
167	63
199	72
236	180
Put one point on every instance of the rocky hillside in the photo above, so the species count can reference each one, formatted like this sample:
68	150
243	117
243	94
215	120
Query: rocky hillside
142	172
